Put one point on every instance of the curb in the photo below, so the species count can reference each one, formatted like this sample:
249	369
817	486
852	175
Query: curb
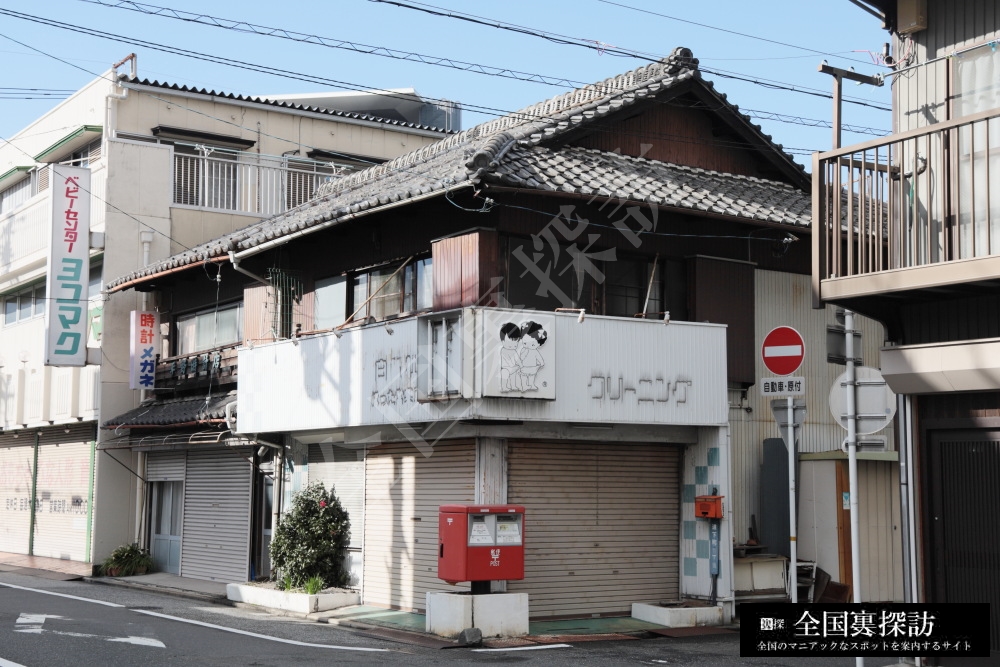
164	590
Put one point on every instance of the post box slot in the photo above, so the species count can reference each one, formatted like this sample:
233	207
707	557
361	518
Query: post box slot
508	529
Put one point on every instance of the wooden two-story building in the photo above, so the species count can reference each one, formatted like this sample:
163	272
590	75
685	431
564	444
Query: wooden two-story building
560	308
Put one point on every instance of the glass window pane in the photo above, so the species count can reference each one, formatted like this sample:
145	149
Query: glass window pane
425	284
228	326
177	501
186	332
360	294
330	302
94	287
39	301
25	306
10	310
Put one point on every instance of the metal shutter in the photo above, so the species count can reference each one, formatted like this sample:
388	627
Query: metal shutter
15	497
601	525
343	471
63	488
215	536
402	493
166	466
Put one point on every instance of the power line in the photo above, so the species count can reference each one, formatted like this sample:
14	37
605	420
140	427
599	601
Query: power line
604	48
334	43
733	32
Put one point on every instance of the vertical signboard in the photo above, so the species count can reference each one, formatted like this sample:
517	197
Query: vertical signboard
68	273
144	342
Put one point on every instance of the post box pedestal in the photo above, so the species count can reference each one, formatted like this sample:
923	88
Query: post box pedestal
496	614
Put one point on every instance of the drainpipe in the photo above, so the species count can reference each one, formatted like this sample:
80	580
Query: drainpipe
110	99
236	266
90	501
33	504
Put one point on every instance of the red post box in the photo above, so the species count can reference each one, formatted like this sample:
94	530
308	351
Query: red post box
480	542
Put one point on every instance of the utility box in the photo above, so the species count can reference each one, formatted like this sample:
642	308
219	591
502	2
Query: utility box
480	542
708	507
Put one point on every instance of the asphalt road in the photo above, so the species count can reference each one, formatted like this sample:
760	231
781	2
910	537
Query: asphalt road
45	623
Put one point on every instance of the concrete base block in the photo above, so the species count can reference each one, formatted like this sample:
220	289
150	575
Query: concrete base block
495	614
677	617
298	602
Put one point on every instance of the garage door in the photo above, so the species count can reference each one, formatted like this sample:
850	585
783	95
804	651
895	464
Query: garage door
601	525
64	473
403	491
15	497
215	537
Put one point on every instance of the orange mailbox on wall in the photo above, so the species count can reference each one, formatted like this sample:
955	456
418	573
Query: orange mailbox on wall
480	542
708	507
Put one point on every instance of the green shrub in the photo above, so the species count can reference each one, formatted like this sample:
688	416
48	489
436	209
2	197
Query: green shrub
311	539
127	560
314	585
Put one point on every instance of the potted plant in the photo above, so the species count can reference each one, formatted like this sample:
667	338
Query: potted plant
127	560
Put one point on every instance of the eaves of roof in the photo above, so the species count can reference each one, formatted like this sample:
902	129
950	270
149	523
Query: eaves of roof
173	87
174	412
479	154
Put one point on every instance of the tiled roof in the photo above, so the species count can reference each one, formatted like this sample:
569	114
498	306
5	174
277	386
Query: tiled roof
603	174
283	104
174	412
501	149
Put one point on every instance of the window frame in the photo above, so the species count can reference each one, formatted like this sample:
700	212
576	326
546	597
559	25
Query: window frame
414	295
180	318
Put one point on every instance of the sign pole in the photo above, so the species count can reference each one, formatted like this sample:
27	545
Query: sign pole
852	454
793	571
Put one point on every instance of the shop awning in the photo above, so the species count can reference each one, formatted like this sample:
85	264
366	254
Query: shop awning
175	412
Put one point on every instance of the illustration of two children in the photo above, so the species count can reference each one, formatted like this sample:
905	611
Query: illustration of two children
520	359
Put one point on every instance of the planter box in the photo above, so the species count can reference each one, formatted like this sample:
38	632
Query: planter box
495	614
299	602
677	617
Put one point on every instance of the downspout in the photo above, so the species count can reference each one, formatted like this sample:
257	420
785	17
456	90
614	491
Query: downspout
110	99
33	505
90	502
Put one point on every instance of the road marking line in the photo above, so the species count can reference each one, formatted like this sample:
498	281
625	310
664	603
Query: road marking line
62	595
521	648
141	641
8	663
259	636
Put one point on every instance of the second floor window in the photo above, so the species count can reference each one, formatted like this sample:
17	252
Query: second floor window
390	291
211	328
24	305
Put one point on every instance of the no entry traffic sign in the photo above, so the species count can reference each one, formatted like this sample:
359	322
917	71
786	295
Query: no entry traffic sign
783	350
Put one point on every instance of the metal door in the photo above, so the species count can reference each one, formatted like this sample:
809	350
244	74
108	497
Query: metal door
167	503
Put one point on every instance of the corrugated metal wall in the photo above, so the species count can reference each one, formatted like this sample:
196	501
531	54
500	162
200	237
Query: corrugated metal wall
403	491
601	525
215	539
784	299
920	95
881	532
342	471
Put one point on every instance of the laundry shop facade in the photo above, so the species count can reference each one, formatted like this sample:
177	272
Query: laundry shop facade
596	438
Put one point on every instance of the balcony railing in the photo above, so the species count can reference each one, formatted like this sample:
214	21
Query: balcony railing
246	183
217	367
924	197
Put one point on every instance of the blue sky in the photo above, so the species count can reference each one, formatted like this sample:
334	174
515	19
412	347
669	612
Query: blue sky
47	57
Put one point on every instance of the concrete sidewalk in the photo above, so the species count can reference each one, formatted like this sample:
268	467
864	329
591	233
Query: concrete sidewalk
402	626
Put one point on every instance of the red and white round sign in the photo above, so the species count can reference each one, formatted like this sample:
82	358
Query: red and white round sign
783	350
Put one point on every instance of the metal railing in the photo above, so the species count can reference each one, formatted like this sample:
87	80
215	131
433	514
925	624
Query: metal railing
918	198
246	182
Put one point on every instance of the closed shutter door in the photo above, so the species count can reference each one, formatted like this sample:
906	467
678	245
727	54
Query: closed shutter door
215	536
166	466
402	494
601	525
343	471
62	490
15	497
